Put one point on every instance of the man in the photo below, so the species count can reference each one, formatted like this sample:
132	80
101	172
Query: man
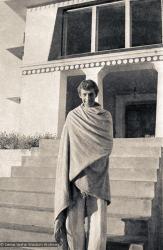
82	190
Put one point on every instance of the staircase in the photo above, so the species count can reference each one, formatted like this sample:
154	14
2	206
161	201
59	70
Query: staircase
26	198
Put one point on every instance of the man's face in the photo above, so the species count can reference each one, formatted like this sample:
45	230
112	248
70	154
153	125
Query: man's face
88	97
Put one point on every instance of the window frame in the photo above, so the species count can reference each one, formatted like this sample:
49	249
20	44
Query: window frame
119	3
94	26
64	30
131	25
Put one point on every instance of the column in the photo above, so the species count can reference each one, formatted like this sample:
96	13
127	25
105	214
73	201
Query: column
159	106
94	29
162	17
127	24
94	74
161	205
60	79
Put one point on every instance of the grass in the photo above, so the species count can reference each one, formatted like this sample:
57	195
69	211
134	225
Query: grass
17	141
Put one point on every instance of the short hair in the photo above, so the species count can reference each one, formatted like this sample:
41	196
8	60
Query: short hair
87	85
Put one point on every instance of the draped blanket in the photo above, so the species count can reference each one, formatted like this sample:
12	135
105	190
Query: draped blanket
85	145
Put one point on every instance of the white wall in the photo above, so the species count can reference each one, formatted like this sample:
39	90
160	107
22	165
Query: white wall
40	104
38	35
9	116
11	35
9	158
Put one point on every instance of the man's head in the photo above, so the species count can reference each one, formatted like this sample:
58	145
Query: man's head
88	91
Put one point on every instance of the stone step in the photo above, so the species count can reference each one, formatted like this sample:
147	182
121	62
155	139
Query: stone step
27	184
39	161
126	243
14	235
146	141
115	226
31	228
13	155
46	142
35	246
132	147
114	162
41	172
39	248
130	206
47	147
55	246
118	150
135	174
39	202
30	246
137	189
49	144
134	162
29	219
44	153
37	151
31	201
134	226
42	248
113	242
117	141
138	226
120	162
42	221
134	151
34	150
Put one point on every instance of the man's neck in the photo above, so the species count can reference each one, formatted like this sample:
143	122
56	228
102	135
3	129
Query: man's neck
96	104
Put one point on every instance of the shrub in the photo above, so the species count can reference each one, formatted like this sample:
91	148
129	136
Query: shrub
17	141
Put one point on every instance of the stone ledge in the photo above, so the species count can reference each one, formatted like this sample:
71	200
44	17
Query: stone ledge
67	64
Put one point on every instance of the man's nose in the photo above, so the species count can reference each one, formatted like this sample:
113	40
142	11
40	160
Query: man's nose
88	97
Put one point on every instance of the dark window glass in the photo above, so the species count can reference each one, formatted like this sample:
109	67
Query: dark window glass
111	27
146	22
77	31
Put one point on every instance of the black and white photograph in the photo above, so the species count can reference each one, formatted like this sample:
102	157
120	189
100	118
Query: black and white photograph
81	124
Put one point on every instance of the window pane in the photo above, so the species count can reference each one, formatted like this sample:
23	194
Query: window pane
111	27
77	31
146	22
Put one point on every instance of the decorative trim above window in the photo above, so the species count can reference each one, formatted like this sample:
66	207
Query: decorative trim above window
96	63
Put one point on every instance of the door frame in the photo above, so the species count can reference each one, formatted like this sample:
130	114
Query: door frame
121	101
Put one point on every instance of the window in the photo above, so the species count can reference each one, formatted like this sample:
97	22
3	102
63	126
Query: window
77	31
102	27
111	27
146	22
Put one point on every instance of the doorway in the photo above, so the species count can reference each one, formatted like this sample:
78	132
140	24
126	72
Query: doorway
140	120
72	97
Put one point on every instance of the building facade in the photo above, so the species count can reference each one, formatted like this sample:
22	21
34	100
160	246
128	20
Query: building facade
118	44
